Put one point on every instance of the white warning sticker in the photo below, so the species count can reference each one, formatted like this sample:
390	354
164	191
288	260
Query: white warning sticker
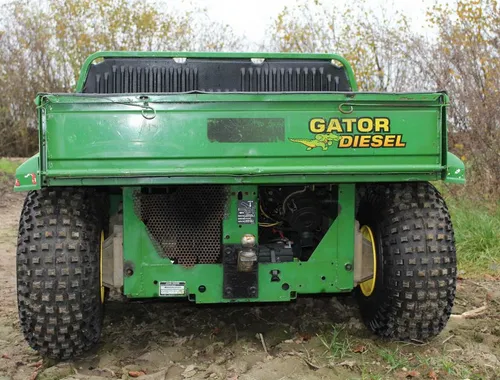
172	288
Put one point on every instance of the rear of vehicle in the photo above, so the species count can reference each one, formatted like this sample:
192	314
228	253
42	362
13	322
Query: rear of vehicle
233	178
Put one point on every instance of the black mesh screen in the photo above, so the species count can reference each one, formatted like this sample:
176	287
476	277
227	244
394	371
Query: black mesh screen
185	223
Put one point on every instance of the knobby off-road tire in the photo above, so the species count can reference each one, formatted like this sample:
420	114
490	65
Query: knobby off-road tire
58	271
416	260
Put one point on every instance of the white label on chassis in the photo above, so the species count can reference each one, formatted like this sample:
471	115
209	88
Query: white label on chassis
172	288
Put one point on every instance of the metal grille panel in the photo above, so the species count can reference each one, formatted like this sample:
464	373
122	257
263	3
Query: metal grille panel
185	223
120	75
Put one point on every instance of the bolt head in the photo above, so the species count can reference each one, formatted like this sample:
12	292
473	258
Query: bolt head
248	240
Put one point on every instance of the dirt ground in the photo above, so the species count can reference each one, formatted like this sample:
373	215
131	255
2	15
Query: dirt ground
313	338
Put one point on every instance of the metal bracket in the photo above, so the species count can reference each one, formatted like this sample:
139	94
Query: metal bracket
238	284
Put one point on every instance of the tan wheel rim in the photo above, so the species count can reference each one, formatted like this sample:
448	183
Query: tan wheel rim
368	286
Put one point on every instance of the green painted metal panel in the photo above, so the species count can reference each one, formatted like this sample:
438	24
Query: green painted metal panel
28	175
328	270
456	170
288	179
166	136
232	231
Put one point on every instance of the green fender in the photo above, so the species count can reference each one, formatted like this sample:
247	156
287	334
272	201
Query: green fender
455	171
28	175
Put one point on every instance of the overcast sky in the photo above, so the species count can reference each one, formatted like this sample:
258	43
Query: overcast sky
250	18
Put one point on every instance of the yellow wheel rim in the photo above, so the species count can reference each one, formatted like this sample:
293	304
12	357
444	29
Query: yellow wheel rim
368	286
100	267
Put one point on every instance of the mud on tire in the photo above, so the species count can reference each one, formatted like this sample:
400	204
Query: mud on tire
416	260
58	271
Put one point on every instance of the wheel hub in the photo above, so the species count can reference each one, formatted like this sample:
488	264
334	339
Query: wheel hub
367	287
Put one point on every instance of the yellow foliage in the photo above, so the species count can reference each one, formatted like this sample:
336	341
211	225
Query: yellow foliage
364	41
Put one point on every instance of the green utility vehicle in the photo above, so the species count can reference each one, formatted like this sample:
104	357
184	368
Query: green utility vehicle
226	178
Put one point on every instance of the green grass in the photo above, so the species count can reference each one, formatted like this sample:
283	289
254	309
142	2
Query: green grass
7	171
8	167
336	342
477	235
394	358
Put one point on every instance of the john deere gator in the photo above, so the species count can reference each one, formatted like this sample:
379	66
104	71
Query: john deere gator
231	178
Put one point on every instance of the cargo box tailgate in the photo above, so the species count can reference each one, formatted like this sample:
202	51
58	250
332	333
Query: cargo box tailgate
252	137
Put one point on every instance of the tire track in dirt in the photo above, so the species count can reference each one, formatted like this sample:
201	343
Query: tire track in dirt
10	207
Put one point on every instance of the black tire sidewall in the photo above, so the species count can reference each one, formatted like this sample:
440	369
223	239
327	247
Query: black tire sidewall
68	318
416	260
